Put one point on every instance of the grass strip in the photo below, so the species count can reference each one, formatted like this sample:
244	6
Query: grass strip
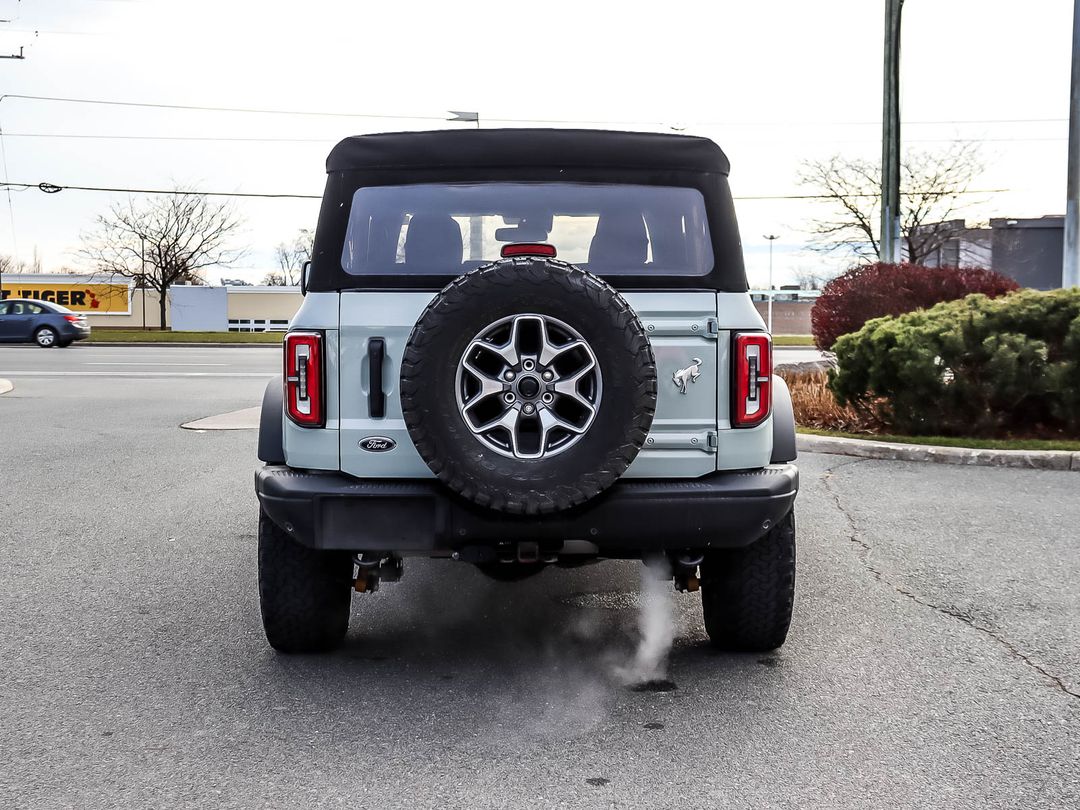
124	336
793	340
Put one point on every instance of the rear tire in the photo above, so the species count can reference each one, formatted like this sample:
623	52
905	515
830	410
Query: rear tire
45	337
305	593
747	593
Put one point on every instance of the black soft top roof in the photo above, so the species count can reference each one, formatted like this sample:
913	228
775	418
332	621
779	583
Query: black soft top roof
526	155
508	148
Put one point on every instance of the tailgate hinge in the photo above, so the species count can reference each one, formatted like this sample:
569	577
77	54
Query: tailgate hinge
712	328
712	441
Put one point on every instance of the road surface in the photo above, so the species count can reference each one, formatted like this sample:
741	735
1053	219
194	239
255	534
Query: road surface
934	659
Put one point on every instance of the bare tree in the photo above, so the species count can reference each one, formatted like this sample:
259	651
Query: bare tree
163	240
933	186
291	257
813	279
9	264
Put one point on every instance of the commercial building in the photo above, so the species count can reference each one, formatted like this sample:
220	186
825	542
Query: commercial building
1026	250
119	304
116	303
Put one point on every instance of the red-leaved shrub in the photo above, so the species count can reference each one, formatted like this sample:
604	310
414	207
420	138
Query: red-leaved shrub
874	290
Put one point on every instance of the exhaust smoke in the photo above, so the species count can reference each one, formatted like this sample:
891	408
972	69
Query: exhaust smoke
647	672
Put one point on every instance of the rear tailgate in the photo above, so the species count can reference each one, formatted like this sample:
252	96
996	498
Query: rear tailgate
681	325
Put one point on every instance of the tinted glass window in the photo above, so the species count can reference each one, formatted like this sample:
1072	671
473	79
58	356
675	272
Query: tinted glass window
3	307
446	228
25	308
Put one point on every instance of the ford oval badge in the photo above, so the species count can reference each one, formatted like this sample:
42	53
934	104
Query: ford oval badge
377	444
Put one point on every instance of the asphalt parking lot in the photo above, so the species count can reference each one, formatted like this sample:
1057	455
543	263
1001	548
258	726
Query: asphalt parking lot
934	659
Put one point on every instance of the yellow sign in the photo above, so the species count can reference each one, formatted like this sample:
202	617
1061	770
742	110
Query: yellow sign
93	299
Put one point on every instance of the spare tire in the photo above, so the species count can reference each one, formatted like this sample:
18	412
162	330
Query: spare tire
528	386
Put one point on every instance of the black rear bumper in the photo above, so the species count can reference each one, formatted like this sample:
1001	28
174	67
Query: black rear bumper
335	511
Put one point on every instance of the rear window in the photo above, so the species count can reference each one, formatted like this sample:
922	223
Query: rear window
445	228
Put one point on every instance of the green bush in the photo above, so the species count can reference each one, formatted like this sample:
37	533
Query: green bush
973	367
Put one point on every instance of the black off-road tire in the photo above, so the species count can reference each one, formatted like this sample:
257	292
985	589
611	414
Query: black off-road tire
747	594
305	593
510	287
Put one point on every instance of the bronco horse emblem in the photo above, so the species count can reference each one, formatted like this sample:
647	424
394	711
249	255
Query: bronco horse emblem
685	375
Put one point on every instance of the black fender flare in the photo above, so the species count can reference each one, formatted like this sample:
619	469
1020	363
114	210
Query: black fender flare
783	423
271	430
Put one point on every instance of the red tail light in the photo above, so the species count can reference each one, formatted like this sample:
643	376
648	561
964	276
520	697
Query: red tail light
72	318
304	378
753	378
528	249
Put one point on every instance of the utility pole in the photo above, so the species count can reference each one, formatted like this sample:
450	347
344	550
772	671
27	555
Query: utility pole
890	137
1070	266
772	237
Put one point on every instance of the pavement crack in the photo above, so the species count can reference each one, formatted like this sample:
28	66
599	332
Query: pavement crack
854	534
856	538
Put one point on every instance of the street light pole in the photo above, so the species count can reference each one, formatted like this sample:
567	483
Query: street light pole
890	137
772	237
142	278
1070	266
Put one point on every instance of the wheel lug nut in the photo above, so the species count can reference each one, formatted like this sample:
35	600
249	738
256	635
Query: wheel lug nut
508	397
509	376
548	398
528	365
548	376
528	409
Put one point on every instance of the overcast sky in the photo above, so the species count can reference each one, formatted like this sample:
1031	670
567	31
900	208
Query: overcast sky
772	82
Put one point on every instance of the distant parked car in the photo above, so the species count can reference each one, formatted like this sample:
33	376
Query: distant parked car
23	320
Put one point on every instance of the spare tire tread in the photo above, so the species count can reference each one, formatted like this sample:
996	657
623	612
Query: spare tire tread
458	295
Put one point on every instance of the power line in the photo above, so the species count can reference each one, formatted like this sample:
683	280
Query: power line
217	109
36	31
163	137
225	139
385	116
52	188
11	205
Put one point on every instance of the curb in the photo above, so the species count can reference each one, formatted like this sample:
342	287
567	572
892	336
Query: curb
1062	460
244	419
5	386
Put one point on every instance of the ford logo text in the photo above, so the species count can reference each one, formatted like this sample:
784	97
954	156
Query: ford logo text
377	444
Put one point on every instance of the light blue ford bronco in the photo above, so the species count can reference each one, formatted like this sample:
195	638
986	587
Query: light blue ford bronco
521	349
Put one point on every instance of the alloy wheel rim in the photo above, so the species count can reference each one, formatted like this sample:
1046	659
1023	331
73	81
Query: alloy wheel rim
528	386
